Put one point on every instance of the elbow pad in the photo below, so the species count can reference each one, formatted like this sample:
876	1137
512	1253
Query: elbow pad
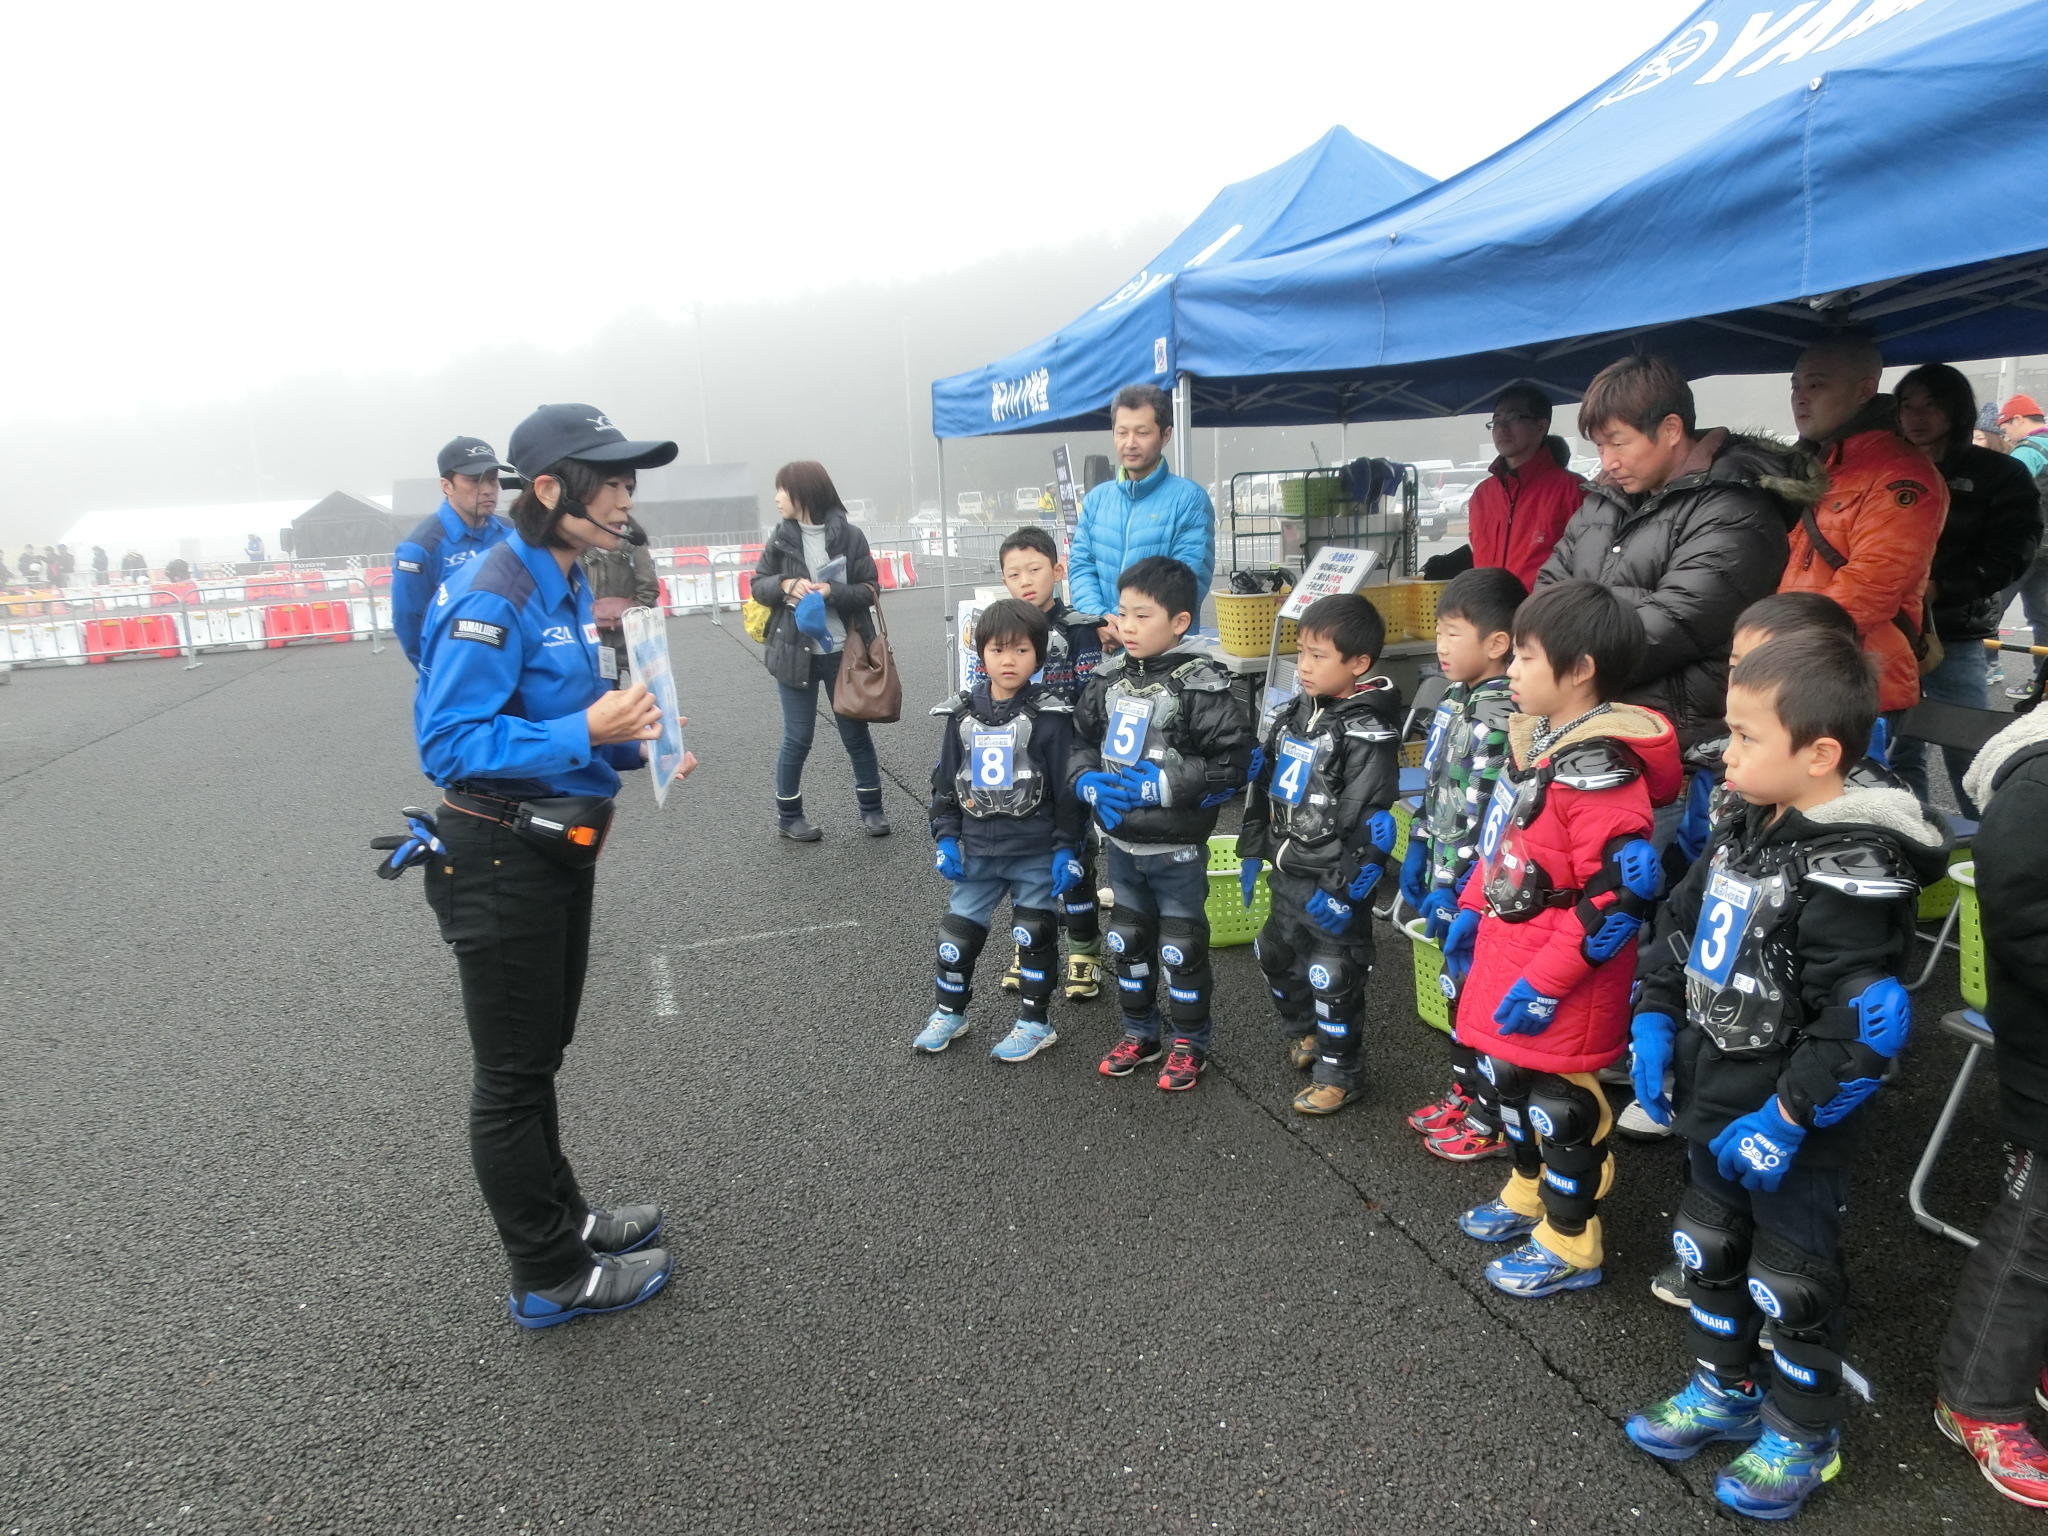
1619	899
1380	833
1842	1060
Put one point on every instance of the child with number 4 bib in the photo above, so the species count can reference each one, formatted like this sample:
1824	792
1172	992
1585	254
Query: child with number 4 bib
1771	994
1006	824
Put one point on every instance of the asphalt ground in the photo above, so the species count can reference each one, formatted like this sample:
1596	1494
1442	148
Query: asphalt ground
251	1285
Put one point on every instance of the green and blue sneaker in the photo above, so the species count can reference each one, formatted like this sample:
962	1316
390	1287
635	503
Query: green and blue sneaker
1698	1414
1774	1477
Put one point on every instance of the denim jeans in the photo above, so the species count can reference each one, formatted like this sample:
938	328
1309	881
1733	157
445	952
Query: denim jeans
800	725
1026	880
1964	677
2032	591
1173	884
1997	1337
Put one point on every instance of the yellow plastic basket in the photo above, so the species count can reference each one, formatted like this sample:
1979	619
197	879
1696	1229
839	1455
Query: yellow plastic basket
1970	933
1422	598
1244	623
1231	923
1430	1001
1390	599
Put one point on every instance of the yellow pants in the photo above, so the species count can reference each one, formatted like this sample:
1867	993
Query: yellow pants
1523	1194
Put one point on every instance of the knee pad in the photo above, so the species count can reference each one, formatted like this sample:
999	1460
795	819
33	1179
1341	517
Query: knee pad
1184	956
960	942
1033	928
1129	941
1711	1238
1285	978
1036	931
1338	981
1511	1083
1800	1292
1562	1111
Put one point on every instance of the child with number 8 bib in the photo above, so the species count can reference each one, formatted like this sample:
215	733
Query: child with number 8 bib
1007	824
1771	994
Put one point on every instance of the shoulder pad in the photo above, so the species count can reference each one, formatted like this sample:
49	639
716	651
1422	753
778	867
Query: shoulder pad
1870	868
1073	619
1050	704
1200	675
1601	763
953	706
1109	666
1370	728
1494	709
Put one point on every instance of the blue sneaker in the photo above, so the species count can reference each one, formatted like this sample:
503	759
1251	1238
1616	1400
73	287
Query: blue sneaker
940	1031
617	1281
1024	1042
1698	1414
1532	1270
1774	1477
1493	1222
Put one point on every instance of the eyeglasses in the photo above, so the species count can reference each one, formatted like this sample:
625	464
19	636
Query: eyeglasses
1509	421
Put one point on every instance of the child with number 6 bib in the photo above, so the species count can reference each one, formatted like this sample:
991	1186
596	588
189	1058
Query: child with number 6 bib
1007	824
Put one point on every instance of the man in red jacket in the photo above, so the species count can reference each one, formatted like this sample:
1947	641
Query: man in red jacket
1528	494
1870	542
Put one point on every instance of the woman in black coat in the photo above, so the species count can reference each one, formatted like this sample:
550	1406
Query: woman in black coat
815	553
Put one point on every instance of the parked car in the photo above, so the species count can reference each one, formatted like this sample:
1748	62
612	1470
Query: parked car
859	509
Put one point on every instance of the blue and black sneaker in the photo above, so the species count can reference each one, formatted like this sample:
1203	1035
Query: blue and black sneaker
1694	1417
1495	1222
615	1282
1533	1271
623	1230
1774	1477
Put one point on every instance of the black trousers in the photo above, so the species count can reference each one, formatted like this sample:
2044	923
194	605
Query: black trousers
1997	1336
520	927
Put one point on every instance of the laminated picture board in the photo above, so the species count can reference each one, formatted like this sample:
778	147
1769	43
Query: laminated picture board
647	655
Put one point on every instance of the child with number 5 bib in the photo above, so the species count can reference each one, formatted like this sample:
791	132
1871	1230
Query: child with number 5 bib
1007	825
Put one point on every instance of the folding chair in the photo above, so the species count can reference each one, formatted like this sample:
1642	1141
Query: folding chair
1940	724
1967	1024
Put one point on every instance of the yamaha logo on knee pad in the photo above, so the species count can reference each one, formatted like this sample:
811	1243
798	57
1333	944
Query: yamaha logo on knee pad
1171	954
1559	1182
1022	935
1713	1322
1486	1068
1765	1298
1798	1373
1319	977
1114	941
1540	1118
1688	1251
950	952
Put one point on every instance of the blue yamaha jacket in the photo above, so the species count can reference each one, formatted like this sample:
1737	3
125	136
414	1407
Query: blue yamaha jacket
441	543
1123	521
509	665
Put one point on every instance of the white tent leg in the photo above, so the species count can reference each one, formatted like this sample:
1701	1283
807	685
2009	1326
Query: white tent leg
1183	414
946	572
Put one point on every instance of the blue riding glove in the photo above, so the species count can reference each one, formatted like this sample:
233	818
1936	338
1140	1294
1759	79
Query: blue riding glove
810	617
949	861
1248	871
1458	941
1108	795
1328	913
1146	782
1256	767
1525	1011
1756	1149
1067	871
1650	1039
1436	909
420	842
1415	871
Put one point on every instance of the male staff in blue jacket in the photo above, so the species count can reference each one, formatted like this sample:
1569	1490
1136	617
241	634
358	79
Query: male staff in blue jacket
462	528
1146	510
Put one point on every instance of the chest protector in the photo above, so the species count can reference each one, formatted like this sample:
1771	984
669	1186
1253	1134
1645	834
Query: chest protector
1157	699
1454	733
1742	973
1303	785
1514	882
997	776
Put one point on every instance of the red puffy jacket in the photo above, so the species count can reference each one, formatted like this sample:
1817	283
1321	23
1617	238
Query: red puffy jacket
1883	510
1569	839
1517	514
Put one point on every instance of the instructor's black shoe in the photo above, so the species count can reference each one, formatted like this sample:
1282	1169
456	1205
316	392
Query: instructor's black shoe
623	1230
614	1283
876	823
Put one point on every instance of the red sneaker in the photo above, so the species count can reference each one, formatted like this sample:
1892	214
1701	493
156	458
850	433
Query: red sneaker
1127	1055
1446	1111
2008	1455
1183	1065
1463	1143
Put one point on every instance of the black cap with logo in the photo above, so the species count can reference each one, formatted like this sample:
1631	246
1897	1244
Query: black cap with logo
557	432
468	456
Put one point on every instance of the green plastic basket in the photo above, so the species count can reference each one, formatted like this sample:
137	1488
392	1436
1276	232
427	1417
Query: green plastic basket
1936	898
1430	1001
1231	923
1970	933
1404	813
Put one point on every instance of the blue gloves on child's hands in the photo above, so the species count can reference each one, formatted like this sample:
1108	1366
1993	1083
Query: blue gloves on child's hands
1756	1149
1437	907
1108	794
810	616
1415	871
1328	913
949	861
1145	780
1067	871
1525	1011
1458	940
1650	1039
1248	879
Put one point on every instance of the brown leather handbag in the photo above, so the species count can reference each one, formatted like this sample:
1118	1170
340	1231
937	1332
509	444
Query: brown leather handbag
868	687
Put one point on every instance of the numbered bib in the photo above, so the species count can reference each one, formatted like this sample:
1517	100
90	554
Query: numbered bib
1499	810
995	760
1291	771
1439	730
1124	741
1718	938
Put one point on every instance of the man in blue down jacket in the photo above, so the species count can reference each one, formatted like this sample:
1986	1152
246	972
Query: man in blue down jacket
1146	510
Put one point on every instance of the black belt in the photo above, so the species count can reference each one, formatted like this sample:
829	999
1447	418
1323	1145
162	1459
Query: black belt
569	829
490	807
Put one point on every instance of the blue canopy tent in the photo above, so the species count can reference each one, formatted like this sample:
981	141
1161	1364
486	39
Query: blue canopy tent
1760	177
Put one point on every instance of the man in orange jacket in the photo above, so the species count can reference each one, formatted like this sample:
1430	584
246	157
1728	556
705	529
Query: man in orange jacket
1870	541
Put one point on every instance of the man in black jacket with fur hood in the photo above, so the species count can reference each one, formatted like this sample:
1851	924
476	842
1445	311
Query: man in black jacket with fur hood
1688	527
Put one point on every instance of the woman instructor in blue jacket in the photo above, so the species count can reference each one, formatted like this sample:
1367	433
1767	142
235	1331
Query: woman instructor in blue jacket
1146	510
524	732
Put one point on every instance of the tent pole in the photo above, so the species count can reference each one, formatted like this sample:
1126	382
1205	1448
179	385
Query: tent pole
1183	412
945	572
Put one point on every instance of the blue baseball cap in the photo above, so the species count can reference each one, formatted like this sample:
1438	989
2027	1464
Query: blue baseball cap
583	432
